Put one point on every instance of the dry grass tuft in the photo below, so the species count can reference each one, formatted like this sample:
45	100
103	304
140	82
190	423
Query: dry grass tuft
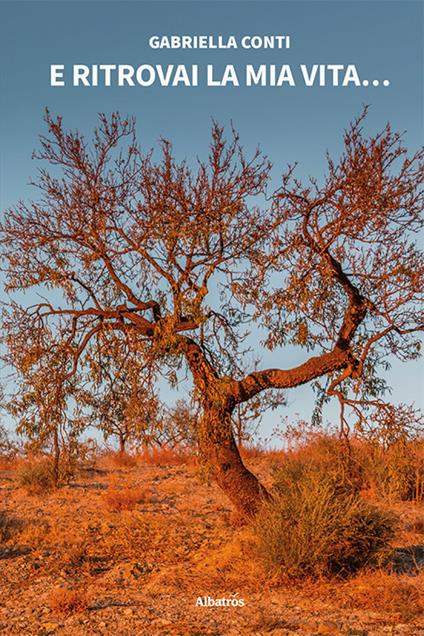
377	591
166	456
110	459
123	460
36	476
68	601
125	498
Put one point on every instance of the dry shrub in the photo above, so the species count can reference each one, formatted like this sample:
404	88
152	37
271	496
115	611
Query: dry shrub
123	460
415	525
8	526
395	471
318	525
166	456
402	595
332	455
36	476
68	601
125	498
229	565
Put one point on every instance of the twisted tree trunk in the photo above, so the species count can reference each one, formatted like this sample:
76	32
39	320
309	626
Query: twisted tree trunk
219	396
217	446
219	450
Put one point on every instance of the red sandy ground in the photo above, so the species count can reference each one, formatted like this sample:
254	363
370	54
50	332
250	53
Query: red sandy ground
140	571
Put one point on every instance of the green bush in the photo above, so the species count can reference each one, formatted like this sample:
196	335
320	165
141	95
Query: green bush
317	525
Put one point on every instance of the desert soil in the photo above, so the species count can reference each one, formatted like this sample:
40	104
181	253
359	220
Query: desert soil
141	571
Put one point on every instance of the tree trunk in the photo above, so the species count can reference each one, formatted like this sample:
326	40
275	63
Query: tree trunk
219	451
121	443
217	447
56	457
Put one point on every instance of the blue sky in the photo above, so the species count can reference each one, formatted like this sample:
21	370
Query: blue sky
384	39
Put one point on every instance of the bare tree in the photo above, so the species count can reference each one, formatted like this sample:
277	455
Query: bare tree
178	426
177	262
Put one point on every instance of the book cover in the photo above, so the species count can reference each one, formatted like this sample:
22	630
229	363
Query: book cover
212	277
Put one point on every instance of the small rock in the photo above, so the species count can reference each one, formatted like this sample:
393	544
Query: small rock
128	611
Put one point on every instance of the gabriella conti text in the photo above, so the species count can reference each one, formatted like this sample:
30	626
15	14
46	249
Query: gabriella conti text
219	42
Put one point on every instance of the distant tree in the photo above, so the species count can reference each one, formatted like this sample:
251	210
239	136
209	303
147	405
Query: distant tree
44	404
126	411
247	416
177	262
179	424
47	415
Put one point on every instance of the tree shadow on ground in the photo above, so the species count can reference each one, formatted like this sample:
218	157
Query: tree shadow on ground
13	553
93	486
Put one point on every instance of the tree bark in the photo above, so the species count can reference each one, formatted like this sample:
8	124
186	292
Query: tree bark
217	447
219	451
121	443
56	457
